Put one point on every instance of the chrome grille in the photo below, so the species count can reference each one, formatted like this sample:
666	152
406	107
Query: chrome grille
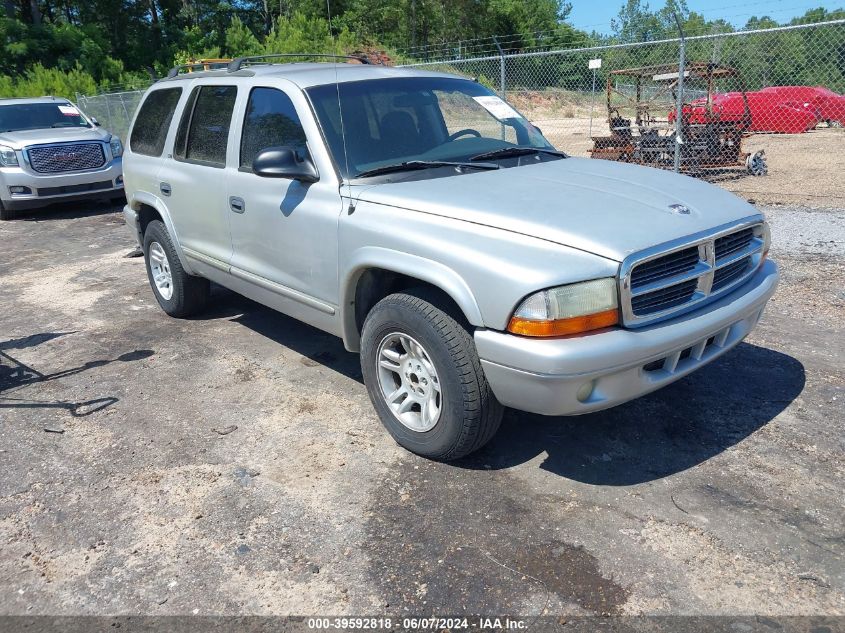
664	298
725	275
666	266
734	242
666	281
50	159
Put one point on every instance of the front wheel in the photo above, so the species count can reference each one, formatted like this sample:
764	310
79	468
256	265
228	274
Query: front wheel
6	214
424	377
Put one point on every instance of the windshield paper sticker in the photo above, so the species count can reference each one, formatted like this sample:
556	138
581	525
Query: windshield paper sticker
68	110
498	108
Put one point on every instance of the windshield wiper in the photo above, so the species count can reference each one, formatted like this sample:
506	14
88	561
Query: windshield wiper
508	152
411	165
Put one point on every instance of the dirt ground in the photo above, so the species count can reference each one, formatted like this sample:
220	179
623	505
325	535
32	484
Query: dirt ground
804	169
232	463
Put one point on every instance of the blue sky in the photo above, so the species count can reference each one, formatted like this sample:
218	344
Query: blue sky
596	14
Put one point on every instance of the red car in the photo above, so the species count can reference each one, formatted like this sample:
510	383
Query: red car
830	104
770	112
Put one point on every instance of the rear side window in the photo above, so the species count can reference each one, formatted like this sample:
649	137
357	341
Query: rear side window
270	120
204	128
153	121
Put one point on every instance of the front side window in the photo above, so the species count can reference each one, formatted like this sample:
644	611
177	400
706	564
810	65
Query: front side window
204	130
38	116
153	122
270	121
392	121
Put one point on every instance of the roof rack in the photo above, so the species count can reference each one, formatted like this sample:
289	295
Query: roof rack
204	65
236	64
53	97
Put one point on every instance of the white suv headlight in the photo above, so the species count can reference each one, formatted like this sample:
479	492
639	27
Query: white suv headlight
116	147
8	157
566	310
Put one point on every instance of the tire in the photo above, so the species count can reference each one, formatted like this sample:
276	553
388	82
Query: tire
468	414
6	214
185	295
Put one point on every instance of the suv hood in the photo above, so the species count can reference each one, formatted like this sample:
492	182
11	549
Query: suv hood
24	138
607	208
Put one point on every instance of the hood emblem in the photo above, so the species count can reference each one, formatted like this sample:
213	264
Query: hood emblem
679	209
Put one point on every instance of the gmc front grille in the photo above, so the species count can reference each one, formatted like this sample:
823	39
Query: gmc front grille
51	159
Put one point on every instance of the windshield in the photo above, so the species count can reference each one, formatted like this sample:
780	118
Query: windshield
35	116
392	121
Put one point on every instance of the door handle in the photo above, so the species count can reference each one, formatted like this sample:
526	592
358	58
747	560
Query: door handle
237	204
165	188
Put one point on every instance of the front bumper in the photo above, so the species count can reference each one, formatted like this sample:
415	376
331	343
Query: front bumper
546	376
46	189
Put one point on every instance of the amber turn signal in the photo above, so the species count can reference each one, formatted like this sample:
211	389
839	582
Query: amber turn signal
563	327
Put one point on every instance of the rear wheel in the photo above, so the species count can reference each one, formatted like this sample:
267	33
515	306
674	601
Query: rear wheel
424	377
178	293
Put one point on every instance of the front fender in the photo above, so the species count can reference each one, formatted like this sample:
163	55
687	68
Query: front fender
420	268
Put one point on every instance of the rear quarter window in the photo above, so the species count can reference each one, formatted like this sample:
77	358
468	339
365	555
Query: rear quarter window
153	121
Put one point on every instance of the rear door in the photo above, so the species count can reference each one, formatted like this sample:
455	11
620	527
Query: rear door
142	161
192	181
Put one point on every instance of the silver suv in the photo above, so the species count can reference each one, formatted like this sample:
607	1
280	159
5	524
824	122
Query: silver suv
432	227
51	152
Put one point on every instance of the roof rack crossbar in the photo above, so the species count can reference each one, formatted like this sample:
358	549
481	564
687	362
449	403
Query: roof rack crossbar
236	64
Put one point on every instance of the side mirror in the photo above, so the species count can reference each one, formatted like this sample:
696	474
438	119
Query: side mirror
284	162
94	121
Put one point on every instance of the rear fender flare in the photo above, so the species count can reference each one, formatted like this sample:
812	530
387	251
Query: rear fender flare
143	198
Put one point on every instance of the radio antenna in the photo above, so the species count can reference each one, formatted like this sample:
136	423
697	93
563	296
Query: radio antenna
329	13
340	111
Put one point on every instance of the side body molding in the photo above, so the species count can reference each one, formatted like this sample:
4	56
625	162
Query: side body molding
423	269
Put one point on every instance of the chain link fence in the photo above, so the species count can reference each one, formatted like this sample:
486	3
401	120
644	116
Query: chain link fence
114	111
761	112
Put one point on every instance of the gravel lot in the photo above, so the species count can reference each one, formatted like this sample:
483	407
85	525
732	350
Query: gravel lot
232	463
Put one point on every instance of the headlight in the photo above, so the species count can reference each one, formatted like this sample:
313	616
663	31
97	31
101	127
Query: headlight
116	147
564	310
8	158
765	233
